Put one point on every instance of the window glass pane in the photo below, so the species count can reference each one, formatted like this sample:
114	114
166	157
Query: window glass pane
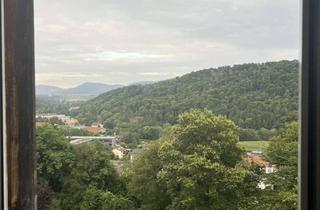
167	104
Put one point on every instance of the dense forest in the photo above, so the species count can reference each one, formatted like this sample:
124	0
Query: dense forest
260	98
52	104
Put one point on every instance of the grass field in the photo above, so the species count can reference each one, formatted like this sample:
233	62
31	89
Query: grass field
254	145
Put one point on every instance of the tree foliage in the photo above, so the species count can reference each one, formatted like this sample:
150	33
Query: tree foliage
150	132
47	104
69	176
95	199
197	167
54	156
283	154
69	131
91	169
142	179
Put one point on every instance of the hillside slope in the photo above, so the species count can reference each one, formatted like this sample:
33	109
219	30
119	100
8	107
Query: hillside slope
253	95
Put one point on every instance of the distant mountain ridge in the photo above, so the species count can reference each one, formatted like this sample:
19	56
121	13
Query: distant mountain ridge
88	88
48	90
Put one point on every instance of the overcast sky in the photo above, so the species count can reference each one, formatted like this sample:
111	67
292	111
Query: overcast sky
126	41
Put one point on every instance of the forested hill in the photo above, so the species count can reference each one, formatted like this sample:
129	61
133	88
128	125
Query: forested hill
253	95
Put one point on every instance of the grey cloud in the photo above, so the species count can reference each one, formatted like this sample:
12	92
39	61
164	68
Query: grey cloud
124	40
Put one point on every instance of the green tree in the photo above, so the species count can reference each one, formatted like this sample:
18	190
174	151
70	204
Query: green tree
150	132
55	121
265	134
68	131
283	154
54	156
248	135
45	196
91	168
131	139
197	167
143	183
108	124
95	199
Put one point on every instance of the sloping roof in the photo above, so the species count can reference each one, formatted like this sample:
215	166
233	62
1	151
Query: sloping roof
93	129
256	159
39	124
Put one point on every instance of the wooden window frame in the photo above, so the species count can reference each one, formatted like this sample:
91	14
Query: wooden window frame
17	98
309	166
18	101
1	120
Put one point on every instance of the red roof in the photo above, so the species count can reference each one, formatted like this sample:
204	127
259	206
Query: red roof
93	129
39	124
256	159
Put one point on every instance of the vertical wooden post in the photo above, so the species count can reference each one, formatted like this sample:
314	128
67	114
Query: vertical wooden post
310	108
19	101
1	117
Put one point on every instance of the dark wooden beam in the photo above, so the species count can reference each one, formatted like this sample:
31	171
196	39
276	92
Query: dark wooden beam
310	108
1	120
19	103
